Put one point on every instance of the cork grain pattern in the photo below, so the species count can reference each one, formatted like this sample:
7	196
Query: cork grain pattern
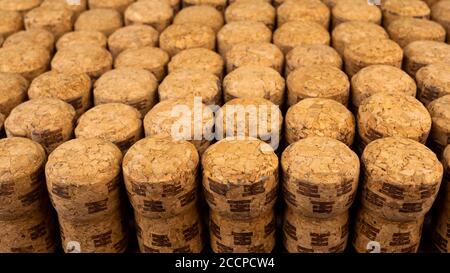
433	81
309	55
133	36
13	91
32	36
440	13
440	115
63	4
91	37
406	30
10	22
347	11
303	10
158	14
200	14
251	10
57	21
119	5
103	19
395	9
198	58
219	5
19	5
421	53
27	60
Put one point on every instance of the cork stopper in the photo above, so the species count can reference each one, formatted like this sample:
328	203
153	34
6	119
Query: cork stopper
47	121
103	20
201	14
296	33
401	178
262	54
132	86
157	14
303	10
395	9
198	59
251	10
72	88
90	37
440	12
19	5
57	21
133	36
13	91
421	53
64	4
10	22
219	5
380	78
440	236
152	59
433	81
347	11
119	5
406	30
32	36
115	122
440	115
314	235
309	55
254	81
161	176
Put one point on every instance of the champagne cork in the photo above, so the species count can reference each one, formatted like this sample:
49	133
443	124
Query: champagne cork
161	177
48	121
74	89
303	10
251	10
132	86
90	37
81	5
440	12
296	33
155	13
178	234
401	178
13	91
406	30
187	119
118	123
105	21
433	81
254	81
347	11
201	14
219	5
132	37
314	235
441	232
32	36
240	178
262	54
317	81
21	6
152	59
395	9
440	129
57	21
119	5
309	55
421	53
198	59
374	233
239	32
255	235
380	78
10	22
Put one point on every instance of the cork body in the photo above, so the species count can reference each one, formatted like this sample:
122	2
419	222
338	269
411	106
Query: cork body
13	91
251	10
433	82
440	129
198	58
33	36
133	36
308	55
303	10
103	20
421	53
91	37
201	14
57	21
157	14
395	9
406	30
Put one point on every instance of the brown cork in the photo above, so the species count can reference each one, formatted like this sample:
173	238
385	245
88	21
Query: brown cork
401	178
119	5
308	55
314	235
103	20
83	177
47	121
13	91
263	54
10	22
118	123
251	10
133	36
240	177
57	21
219	5
433	81
74	89
94	38
421	53
63	4
406	30
199	59
156	13
440	115
303	10
179	114
297	33
441	235
32	36
346	11
376	234
254	81
132	86
201	14
19	5
161	176
440	12
395	9
380	78
152	59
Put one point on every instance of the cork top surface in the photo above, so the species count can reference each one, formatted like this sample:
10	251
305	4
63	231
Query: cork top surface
427	51
373	50
10	19
301	33
95	38
19	157
436	75
313	10
244	31
262	53
197	58
405	7
109	3
186	33
320	160
159	159
23	58
63	86
350	32
19	5
149	11
33	36
134	36
13	85
239	161
357	11
98	19
441	10
64	4
84	161
144	57
201	14
307	55
406	26
402	161
256	10
440	112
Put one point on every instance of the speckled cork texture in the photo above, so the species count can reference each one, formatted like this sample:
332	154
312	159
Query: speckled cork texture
251	10
433	81
401	178
406	30
160	120
74	89
133	36
440	235
297	33
104	20
189	83
374	233
303	10
219	5
132	86
240	177
10	22
254	81
19	5
199	59
118	123
314	235
395	9
262	54
27	60
32	36
13	91
440	129
421	53
63	4
152	59
119	5
201	14
47	121
161	177
255	235
156	13
239	32
57	21
440	12
94	38
309	55
346	11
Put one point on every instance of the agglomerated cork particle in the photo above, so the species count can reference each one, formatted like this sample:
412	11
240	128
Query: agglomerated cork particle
255	235
440	236
104	20
155	13
133	36
90	37
189	83
320	176
161	176
254	81
380	78
308	55
440	12
401	178
440	129
152	59
119	5
406	30
32	36
10	22
346	11
314	235
118	123
198	59
219	5
240	178
13	91
263	54
201	14
421	53
19	5
64	4
48	121
83	179
296	33
433	81
132	86
57	21
303	10
395	9
251	10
